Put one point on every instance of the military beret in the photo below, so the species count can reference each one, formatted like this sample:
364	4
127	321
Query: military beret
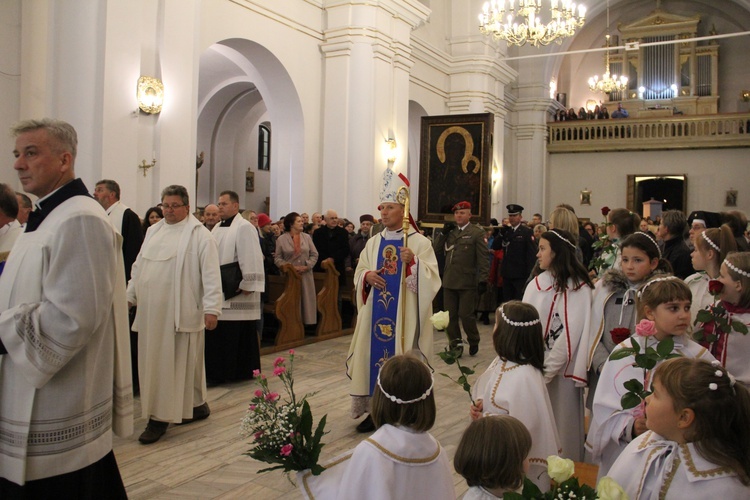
461	205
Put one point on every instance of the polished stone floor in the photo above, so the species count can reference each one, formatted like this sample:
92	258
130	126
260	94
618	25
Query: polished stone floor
205	459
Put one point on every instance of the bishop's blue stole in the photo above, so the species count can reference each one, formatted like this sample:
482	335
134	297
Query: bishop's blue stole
385	307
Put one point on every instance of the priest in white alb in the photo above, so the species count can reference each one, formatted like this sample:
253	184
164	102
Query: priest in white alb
176	285
64	369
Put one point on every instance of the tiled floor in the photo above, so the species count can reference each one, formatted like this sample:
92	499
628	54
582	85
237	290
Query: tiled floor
205	459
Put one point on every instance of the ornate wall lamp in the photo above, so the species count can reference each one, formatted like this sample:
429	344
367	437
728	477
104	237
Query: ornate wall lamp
150	94
391	150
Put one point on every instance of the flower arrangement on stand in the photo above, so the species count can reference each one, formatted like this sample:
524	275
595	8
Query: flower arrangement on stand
715	321
565	485
647	359
451	355
605	251
282	428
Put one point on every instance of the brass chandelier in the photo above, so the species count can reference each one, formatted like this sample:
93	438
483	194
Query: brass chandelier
499	20
608	83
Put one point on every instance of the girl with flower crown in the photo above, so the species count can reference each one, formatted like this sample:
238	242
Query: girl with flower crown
401	459
730	344
698	436
514	384
711	248
663	305
562	297
613	307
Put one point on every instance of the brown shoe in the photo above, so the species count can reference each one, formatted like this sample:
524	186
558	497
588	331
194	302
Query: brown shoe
199	413
154	431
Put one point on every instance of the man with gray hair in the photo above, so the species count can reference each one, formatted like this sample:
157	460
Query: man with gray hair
676	251
126	222
64	370
177	288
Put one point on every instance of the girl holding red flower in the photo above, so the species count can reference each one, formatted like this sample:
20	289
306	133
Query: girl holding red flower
613	308
724	325
663	305
711	248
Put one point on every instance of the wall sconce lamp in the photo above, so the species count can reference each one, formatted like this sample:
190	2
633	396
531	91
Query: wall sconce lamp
745	95
495	175
150	95
391	150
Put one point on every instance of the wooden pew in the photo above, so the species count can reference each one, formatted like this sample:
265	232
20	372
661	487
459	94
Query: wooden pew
327	288
349	294
284	296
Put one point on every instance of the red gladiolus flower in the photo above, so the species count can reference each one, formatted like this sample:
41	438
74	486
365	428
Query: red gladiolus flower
279	370
278	361
715	287
605	211
258	393
619	335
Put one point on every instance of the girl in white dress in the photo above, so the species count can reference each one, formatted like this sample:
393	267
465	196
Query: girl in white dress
698	436
401	459
711	248
732	348
664	310
562	297
514	384
493	457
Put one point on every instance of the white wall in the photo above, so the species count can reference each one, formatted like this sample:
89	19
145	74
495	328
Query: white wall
710	173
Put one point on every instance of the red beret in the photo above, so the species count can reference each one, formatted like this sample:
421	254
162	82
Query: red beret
263	220
461	205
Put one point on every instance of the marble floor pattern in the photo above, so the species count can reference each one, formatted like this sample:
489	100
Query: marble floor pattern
204	460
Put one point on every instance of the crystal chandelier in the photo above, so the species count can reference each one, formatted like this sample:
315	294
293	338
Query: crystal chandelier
608	83
499	21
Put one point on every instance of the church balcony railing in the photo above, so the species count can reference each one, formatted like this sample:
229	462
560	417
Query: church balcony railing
630	134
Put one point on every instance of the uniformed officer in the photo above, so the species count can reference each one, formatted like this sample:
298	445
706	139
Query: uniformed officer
467	267
519	257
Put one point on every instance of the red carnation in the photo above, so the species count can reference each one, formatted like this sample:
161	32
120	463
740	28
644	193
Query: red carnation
715	287
605	211
619	335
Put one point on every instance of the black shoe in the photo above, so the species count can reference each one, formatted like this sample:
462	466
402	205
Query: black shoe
473	349
367	425
485	320
154	431
199	413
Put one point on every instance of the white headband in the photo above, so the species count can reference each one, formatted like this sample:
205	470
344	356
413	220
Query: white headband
400	401
652	241
736	269
566	240
518	323
655	280
708	240
699	221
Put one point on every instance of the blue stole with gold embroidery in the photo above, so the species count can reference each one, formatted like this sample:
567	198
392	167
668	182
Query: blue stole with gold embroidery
385	307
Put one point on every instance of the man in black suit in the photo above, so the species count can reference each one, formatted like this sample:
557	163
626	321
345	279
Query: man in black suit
519	246
126	222
332	242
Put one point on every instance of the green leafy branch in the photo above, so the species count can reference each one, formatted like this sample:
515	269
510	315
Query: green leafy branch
451	356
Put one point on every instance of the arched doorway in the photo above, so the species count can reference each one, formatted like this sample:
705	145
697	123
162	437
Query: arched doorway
242	85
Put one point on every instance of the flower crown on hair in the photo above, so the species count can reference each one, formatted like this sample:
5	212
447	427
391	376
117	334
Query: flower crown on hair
736	269
517	323
652	241
711	243
713	386
400	401
655	280
566	240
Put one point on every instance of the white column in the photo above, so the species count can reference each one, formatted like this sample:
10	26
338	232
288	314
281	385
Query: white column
367	53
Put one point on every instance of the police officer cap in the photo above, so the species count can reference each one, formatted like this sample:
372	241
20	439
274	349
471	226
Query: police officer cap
709	219
461	205
514	209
